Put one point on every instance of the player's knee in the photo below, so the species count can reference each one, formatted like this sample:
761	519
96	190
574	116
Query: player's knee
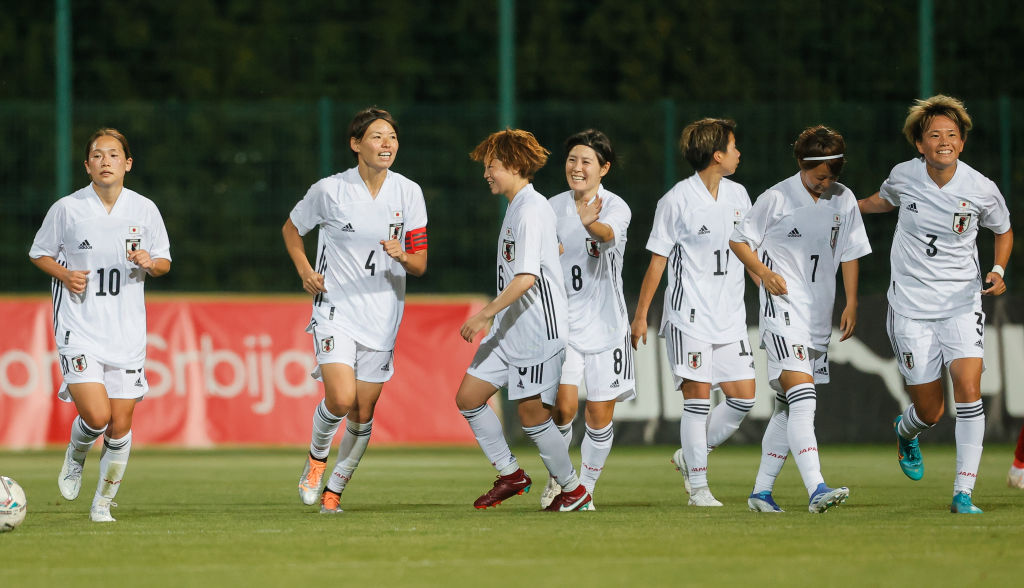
930	415
563	412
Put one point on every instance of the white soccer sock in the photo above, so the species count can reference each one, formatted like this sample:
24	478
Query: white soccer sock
489	435
82	438
694	439
970	433
554	454
325	425
595	447
113	462
566	431
774	446
803	400
726	418
911	425
350	451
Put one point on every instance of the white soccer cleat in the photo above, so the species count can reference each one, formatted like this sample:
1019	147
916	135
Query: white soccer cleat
703	497
70	480
1015	478
100	511
680	463
551	491
310	480
825	498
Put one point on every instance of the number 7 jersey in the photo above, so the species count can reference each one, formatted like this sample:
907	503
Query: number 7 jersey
109	318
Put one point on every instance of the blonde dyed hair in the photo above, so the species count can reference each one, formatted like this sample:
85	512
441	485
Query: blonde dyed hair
702	138
921	113
518	150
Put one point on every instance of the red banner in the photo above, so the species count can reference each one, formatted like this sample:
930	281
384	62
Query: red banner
236	370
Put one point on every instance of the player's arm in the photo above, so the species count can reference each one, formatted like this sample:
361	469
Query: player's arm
413	256
512	292
655	269
154	267
851	276
1003	247
74	280
874	204
312	282
589	215
772	282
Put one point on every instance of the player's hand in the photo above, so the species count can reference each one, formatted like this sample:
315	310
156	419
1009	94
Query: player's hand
590	212
394	249
847	322
313	283
475	324
774	283
75	281
638	330
141	258
996	285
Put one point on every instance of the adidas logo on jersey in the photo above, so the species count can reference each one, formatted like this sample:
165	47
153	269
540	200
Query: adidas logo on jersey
348	228
614	384
794	233
704	230
912	207
85	245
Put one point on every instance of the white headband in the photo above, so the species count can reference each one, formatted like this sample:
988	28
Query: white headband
824	157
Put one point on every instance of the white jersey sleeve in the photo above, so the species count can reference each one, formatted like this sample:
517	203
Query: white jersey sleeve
309	212
49	239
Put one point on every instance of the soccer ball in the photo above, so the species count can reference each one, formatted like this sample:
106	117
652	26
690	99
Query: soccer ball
12	504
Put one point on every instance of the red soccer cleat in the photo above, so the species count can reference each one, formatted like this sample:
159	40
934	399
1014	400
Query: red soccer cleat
578	499
505	487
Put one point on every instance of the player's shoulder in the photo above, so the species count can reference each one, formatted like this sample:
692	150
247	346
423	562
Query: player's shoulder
907	171
561	203
734	191
975	179
613	201
403	182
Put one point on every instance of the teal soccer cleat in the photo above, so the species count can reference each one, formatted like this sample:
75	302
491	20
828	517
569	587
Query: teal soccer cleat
962	504
909	453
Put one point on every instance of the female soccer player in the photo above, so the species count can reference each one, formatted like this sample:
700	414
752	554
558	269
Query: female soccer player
935	317
703	321
99	244
804	229
373	231
525	346
591	224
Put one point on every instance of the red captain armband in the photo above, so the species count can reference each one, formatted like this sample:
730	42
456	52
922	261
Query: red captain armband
416	240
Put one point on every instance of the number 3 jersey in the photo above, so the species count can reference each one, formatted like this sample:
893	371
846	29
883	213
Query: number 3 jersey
109	318
365	294
804	242
592	272
704	297
934	256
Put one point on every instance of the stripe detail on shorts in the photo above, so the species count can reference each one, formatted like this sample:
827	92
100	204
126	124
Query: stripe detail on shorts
779	343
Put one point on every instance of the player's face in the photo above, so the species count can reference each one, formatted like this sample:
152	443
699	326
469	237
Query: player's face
379	145
107	164
817	180
730	157
501	179
583	170
941	143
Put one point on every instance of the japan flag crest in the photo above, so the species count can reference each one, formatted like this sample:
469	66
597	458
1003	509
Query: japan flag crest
327	344
693	359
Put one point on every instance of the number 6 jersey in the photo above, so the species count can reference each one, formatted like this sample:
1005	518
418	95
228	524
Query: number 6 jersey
365	294
109	318
934	257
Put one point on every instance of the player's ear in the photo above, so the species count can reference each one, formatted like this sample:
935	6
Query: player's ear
128	165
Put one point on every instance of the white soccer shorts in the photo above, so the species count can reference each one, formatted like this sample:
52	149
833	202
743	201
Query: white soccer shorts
81	368
334	346
699	361
608	374
490	365
923	346
793	355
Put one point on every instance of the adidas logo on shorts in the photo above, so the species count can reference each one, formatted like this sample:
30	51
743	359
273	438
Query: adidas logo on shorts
138	383
979	343
704	230
85	245
794	233
348	228
912	207
615	384
822	371
520	385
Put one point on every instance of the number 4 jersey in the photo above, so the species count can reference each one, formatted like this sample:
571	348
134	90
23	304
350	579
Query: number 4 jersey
365	294
109	318
934	257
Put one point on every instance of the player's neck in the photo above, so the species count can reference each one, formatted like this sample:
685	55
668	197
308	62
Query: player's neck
941	177
582	198
712	179
516	188
107	194
372	178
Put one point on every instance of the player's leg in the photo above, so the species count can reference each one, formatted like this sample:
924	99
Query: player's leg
734	373
93	407
1015	477
970	429
691	363
339	395
563	411
918	356
774	450
597	441
694	440
353	444
610	379
117	447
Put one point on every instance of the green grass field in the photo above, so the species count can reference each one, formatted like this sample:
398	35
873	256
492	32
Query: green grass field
233	518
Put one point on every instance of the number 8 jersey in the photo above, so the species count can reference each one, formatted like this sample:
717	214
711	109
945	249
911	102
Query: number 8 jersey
109	318
365	295
934	257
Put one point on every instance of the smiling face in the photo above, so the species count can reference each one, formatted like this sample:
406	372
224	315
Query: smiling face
817	180
107	163
583	169
941	143
501	179
378	147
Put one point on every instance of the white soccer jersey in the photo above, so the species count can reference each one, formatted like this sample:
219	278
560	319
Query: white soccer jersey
704	297
804	242
934	256
109	319
534	327
592	273
365	294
